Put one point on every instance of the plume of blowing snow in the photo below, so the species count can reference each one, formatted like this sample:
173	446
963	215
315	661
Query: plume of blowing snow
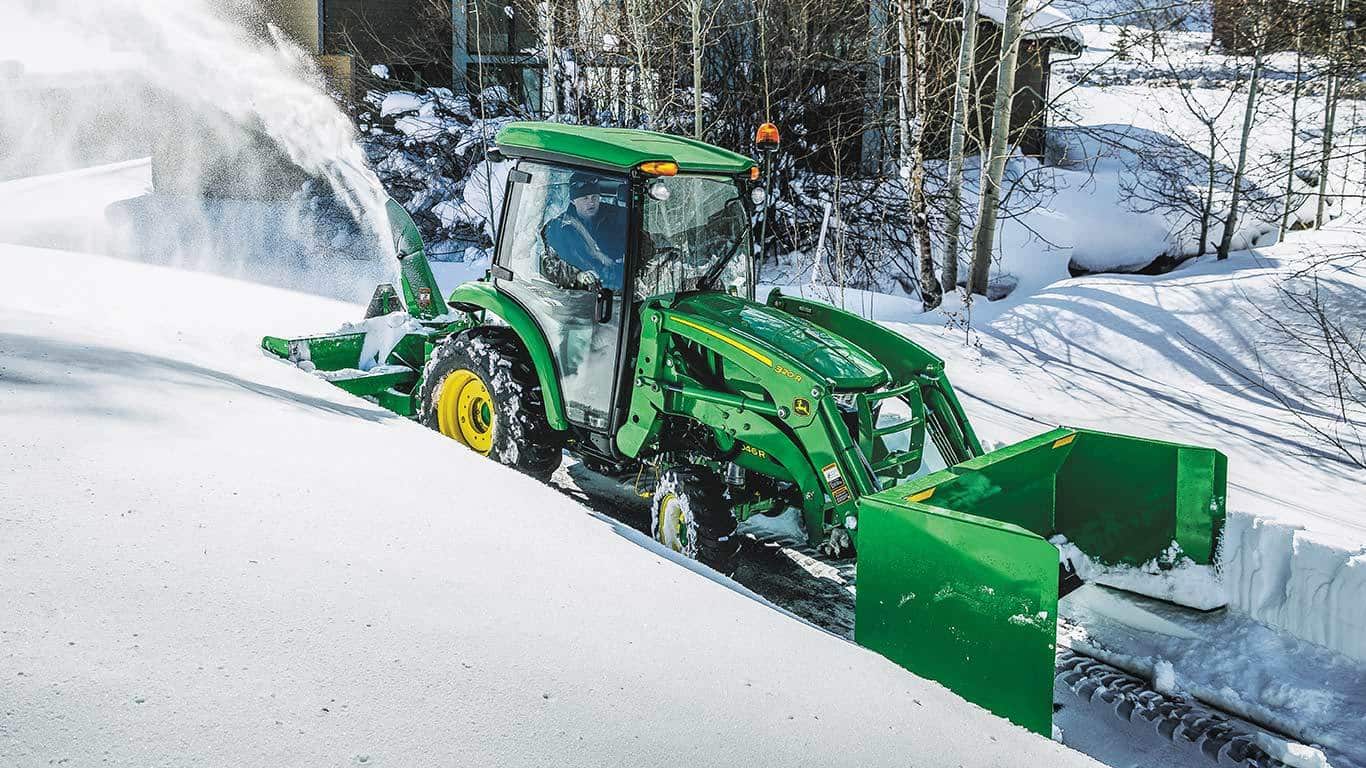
253	170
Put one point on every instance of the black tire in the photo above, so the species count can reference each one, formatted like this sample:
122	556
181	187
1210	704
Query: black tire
689	514
521	436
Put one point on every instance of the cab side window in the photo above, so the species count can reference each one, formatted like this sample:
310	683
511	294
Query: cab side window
566	242
569	229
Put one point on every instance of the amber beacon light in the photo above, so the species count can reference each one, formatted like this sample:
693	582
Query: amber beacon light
767	136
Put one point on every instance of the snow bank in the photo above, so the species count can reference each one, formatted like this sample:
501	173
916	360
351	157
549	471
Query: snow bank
1305	584
207	553
1229	661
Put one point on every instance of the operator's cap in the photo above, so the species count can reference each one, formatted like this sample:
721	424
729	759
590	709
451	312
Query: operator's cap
581	185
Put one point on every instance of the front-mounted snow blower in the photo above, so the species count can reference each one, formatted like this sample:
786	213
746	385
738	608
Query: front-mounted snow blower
618	321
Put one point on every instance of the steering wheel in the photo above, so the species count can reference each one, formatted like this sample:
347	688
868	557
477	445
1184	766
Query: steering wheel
666	253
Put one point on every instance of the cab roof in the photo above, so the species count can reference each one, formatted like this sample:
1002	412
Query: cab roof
617	149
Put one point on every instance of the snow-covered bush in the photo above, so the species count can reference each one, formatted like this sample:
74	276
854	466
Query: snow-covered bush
428	148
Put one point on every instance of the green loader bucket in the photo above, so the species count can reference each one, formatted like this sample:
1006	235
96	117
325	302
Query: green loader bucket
957	580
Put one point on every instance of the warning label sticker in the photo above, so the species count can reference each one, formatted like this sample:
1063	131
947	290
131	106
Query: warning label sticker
839	491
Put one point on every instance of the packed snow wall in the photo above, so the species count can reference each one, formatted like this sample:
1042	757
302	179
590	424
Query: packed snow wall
1290	578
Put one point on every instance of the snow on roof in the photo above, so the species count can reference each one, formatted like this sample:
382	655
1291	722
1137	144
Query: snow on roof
1041	21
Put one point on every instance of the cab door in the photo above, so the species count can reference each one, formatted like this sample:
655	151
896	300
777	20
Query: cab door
581	320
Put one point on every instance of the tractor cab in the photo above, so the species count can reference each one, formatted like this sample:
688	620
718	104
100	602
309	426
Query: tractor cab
591	229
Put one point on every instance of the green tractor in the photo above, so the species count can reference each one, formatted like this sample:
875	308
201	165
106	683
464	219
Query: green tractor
618	322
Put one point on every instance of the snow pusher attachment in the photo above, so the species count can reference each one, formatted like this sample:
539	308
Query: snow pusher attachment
958	582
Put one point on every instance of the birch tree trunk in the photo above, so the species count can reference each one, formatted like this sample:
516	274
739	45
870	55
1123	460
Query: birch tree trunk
695	6
635	17
551	79
985	234
1329	119
967	60
1231	218
1294	131
903	101
1211	178
1330	109
930	295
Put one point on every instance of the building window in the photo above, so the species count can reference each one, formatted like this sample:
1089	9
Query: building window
521	81
495	26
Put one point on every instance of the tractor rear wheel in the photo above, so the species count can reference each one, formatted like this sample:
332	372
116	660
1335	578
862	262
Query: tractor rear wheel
480	388
689	515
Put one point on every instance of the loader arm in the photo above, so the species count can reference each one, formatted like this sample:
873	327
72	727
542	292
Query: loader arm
909	363
751	416
780	414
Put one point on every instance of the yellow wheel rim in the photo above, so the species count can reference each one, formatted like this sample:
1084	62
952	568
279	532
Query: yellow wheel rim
672	531
464	410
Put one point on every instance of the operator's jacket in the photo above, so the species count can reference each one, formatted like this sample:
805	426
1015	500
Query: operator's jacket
575	247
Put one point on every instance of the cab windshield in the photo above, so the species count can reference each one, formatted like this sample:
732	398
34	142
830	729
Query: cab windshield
696	237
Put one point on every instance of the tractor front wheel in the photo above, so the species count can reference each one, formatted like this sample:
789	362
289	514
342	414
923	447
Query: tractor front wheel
689	515
480	388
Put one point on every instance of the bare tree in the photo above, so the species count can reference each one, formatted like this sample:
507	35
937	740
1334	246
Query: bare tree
1298	43
985	234
913	42
957	134
1331	93
1261	41
1318	325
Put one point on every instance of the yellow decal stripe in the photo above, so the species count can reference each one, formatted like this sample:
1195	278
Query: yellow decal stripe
1060	442
921	496
761	357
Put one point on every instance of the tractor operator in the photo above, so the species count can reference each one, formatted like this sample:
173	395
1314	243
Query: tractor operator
585	245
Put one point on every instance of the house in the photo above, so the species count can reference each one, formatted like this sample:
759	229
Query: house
411	37
1047	34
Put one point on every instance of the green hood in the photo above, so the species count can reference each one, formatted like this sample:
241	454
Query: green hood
844	365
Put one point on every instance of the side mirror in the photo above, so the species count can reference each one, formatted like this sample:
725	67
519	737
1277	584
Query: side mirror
603	308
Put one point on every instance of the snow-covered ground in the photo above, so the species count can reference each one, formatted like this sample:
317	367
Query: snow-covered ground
212	558
1225	659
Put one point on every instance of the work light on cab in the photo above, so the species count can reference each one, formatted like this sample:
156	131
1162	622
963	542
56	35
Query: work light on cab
659	168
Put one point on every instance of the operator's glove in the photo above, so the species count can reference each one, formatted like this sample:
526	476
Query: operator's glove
588	280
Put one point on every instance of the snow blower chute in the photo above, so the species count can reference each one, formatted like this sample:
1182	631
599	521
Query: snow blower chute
618	322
